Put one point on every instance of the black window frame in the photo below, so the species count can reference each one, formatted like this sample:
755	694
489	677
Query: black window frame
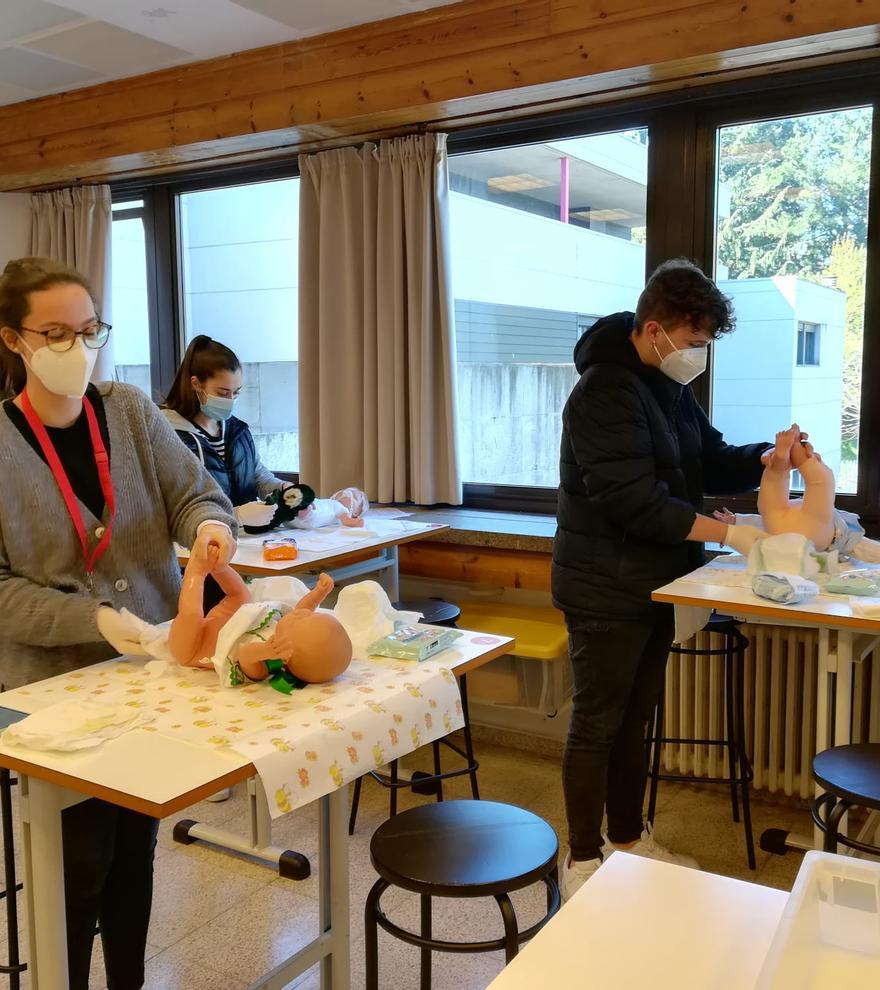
682	127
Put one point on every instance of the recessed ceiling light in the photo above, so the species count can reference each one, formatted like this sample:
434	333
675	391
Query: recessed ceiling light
517	183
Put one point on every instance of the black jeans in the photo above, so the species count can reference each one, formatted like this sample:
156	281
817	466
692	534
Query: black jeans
618	675
108	880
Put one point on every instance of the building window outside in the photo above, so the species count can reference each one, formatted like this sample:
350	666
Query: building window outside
808	344
545	238
240	285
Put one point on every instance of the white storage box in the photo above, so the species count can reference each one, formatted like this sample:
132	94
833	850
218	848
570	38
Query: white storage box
829	934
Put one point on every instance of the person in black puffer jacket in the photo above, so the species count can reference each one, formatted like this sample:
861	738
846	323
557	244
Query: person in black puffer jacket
637	456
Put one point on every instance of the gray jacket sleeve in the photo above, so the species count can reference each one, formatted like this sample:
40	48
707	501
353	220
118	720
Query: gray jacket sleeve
45	616
265	481
190	493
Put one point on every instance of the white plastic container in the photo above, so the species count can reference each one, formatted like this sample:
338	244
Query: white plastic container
829	934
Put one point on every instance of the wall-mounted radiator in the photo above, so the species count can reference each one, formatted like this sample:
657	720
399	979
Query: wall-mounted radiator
780	709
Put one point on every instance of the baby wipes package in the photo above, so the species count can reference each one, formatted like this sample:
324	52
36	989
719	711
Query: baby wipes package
413	642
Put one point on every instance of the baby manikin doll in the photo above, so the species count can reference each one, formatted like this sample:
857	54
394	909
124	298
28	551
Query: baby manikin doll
346	506
813	516
288	645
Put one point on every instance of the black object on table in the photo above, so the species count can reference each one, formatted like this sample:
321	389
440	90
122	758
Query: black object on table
850	776
734	741
435	612
459	849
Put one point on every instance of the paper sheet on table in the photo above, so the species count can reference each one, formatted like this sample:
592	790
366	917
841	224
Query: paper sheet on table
386	512
689	620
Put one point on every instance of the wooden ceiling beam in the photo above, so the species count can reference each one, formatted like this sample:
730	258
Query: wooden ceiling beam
476	60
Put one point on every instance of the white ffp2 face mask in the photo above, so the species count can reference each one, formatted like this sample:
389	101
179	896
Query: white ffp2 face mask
683	366
64	373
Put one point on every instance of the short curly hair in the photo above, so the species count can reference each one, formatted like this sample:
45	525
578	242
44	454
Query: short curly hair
678	292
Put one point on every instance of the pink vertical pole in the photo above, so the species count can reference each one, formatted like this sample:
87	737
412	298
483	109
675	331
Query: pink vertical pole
563	189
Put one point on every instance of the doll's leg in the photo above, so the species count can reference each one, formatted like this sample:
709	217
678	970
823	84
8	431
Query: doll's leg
189	625
313	599
232	585
350	521
773	497
818	504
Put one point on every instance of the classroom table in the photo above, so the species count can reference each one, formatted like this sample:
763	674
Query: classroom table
844	640
160	774
640	923
329	548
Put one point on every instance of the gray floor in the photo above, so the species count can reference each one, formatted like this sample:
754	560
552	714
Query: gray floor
219	923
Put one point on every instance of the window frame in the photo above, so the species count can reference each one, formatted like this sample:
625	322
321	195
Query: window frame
680	219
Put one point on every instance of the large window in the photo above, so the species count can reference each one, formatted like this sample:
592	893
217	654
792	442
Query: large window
791	249
239	285
546	238
130	315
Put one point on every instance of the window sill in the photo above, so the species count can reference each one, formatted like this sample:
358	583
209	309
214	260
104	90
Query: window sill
501	530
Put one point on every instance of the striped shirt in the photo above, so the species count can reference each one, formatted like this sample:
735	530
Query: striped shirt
217	444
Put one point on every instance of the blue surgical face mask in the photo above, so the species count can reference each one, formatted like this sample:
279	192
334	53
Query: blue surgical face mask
216	406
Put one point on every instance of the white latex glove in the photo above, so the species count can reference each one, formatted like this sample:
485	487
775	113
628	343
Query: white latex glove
120	633
218	535
255	513
743	537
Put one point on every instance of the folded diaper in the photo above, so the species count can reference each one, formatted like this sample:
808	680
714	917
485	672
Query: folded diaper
786	589
73	725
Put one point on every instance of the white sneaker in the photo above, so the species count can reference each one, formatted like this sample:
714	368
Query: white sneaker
650	848
574	875
223	795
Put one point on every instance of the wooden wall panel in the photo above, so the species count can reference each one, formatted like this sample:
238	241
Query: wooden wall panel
476	59
476	565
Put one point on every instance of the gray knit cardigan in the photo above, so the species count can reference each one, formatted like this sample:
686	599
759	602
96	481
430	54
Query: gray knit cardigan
47	614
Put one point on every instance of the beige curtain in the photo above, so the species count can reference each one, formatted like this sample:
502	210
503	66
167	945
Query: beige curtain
376	325
73	226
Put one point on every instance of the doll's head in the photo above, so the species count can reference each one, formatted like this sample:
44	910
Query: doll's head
313	645
355	501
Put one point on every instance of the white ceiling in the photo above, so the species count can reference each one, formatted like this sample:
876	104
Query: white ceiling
49	48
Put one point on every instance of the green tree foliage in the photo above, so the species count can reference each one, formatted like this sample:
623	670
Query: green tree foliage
797	186
799	206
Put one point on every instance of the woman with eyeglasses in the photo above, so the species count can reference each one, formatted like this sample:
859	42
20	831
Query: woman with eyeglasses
199	407
93	495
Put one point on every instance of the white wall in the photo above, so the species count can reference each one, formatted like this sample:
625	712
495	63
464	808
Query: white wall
504	255
15	226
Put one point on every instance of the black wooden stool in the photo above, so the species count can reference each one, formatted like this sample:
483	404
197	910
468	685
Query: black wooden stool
850	776
739	767
459	849
435	612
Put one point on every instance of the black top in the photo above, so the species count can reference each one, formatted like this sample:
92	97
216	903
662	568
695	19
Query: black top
74	447
235	470
637	456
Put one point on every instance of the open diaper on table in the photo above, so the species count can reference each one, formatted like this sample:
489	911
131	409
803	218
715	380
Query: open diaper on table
793	554
73	725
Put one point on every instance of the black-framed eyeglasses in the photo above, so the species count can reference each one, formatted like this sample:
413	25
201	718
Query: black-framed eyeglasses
61	338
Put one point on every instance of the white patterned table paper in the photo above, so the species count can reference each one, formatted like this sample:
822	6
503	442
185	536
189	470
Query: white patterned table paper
304	745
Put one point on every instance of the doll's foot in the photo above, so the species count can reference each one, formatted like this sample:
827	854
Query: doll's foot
351	522
802	451
780	456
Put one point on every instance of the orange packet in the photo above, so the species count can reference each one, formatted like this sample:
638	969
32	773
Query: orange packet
280	548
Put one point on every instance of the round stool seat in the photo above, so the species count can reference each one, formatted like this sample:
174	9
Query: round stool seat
435	611
464	849
718	622
851	772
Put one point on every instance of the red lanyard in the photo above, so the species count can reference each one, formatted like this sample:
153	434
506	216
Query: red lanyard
102	462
